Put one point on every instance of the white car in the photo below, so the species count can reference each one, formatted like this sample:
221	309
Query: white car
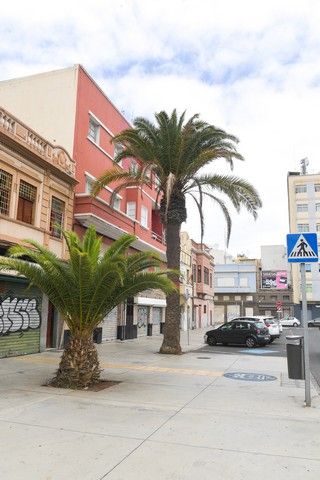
290	322
272	325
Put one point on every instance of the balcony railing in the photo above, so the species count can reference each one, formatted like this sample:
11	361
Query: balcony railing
158	238
57	156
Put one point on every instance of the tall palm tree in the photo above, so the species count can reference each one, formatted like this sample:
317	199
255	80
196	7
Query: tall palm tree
84	290
176	151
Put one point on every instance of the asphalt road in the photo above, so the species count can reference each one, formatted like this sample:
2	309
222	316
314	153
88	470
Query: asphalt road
276	349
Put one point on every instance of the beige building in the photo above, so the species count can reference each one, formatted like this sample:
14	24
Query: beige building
37	180
186	284
304	217
196	287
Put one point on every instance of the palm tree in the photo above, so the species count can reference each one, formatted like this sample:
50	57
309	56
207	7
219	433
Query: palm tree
84	290
176	151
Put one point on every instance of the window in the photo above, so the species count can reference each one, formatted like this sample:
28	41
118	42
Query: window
56	217
302	207
216	298
308	267
309	288
237	297
206	275
94	130
226	298
204	308
249	298
118	148
303	227
89	185
26	201
301	188
286	298
225	282
5	192
243	282
318	227
116	202
144	216
210	280
131	210
199	274
133	167
317	187
273	297
317	207
194	273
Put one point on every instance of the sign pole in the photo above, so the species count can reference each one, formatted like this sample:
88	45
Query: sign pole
305	335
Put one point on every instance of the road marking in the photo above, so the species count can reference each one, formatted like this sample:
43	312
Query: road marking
128	366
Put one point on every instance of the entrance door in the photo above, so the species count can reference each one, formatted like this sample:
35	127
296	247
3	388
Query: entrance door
51	324
156	320
130	328
142	321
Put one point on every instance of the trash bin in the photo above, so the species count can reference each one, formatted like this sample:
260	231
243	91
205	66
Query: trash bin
97	335
295	357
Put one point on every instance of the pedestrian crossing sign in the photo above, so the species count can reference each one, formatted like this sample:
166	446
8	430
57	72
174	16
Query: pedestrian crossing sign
302	247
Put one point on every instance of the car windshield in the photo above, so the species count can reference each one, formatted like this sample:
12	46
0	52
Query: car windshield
259	324
270	320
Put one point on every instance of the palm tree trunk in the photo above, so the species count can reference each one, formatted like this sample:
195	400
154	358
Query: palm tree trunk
171	334
79	364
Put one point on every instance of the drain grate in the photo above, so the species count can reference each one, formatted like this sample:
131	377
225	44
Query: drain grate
204	358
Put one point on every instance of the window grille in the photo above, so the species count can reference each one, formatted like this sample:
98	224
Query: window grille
5	191
56	217
27	191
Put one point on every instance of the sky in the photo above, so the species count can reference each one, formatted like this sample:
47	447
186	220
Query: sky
249	67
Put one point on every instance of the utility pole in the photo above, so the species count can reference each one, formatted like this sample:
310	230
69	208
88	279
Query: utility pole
305	335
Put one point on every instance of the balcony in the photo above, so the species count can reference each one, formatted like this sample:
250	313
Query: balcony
13	131
159	238
113	223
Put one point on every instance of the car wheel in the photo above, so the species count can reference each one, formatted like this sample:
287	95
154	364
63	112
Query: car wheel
310	325
271	340
212	341
224	343
250	342
295	324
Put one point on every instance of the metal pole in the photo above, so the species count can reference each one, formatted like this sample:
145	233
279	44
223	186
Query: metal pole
305	335
188	327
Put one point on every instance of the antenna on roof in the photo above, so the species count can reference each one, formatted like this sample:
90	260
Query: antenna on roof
304	162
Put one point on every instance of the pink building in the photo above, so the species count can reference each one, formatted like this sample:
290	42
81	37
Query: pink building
70	109
202	276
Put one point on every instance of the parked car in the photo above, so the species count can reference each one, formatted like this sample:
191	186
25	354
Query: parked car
315	322
271	324
242	332
290	322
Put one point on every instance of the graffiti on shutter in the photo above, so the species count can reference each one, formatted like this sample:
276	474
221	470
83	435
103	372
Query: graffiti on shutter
142	320
18	314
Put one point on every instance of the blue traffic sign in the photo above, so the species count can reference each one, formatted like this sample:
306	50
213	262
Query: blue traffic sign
302	247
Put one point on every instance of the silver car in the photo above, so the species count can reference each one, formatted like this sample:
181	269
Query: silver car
290	322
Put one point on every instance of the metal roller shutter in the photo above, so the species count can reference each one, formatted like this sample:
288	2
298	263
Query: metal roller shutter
20	317
156	320
110	325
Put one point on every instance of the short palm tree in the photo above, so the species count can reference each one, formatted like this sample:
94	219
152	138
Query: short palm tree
177	151
84	290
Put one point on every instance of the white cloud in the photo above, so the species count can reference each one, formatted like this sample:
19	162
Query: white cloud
250	67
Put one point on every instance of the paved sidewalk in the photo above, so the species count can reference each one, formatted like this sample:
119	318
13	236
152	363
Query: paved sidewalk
174	418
